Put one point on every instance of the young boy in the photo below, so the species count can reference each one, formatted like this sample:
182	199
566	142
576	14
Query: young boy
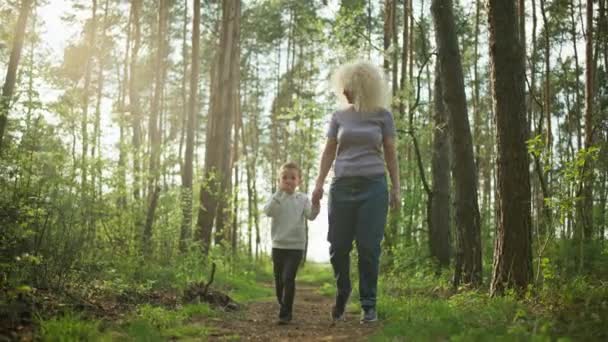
288	210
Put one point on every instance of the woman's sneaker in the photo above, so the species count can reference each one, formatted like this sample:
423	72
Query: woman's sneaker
369	315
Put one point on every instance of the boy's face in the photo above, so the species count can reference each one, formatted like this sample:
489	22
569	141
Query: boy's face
289	180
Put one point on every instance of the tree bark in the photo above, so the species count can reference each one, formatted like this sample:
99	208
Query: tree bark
388	34
84	131
187	191
238	124
439	223
395	51
404	54
13	63
476	110
134	105
588	174
468	256
154	135
513	246
547	92
96	170
124	86
575	120
223	109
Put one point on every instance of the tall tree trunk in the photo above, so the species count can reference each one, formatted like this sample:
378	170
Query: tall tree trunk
575	120
585	206
184	92
255	134
122	154
29	141
547	92
154	134
410	171
603	194
477	120
223	108
404	54
245	132
513	246
134	105
394	50
468	256
13	62
250	212
589	131
521	27
603	30
532	86
235	159
387	35
389	39
84	131
85	205
187	191
96	170
439	227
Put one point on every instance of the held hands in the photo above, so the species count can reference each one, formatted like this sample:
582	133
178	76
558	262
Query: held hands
317	194
395	198
316	206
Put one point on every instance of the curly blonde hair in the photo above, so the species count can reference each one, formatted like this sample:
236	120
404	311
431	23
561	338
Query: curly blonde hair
365	82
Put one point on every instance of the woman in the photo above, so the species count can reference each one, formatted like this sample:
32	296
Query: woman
361	139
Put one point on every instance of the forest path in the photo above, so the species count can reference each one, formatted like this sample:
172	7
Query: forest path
257	321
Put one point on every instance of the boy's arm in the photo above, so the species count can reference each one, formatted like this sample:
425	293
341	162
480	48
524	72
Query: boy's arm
274	202
311	210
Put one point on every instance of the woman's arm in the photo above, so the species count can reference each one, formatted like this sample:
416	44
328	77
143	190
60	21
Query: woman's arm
327	159
390	156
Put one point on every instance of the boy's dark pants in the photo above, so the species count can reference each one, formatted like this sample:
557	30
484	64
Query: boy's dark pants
285	264
357	211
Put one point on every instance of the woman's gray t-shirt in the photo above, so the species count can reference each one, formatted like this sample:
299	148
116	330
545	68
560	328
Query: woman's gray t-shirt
360	137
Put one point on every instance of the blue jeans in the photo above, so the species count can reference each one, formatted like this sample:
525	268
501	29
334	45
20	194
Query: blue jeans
357	211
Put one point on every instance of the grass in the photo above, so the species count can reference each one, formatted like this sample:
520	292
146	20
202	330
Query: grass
151	323
69	327
316	273
419	306
156	323
415	304
147	323
469	316
320	274
243	288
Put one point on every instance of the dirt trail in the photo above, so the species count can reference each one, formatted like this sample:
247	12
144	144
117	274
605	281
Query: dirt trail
311	321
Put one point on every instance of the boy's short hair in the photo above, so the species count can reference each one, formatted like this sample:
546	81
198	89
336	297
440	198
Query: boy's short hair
291	166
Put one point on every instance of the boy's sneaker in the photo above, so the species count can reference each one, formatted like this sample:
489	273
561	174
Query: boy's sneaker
337	311
284	316
337	314
369	315
284	320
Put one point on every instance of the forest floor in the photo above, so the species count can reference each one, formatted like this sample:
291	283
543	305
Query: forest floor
257	321
170	315
413	307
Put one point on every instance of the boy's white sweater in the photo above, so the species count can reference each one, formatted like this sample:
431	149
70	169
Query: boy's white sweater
288	213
